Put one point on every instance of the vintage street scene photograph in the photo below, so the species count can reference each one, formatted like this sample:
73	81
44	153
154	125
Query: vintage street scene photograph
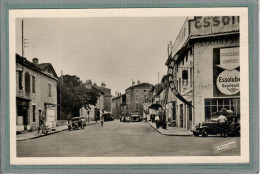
127	86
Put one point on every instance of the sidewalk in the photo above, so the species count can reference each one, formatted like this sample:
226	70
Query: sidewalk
171	131
34	134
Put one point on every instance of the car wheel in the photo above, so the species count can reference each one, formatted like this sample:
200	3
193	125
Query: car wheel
196	134
204	133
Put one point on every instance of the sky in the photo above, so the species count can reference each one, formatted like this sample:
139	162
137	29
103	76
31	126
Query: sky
113	50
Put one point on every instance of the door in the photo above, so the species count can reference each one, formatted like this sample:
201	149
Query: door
181	115
190	118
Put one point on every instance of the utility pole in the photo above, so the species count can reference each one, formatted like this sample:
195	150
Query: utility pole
22	42
61	84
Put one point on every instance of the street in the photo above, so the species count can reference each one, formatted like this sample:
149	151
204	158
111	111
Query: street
117	139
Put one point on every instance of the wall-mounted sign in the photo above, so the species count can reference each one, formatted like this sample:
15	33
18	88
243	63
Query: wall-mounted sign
181	38
204	25
228	82
171	78
229	58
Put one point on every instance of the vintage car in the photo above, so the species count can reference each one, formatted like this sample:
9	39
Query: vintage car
135	116
231	128
108	116
126	118
84	121
75	123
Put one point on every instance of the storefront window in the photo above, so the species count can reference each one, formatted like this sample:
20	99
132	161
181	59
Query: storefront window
214	106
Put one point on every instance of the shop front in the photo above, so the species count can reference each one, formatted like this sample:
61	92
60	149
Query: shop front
23	114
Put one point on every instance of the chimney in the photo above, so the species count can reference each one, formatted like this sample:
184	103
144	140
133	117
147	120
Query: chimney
88	84
35	61
133	83
103	85
116	93
138	82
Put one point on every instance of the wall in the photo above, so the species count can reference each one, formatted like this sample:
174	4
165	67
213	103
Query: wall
41	95
203	77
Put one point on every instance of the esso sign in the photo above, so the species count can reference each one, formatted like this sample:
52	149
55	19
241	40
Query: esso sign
228	82
214	21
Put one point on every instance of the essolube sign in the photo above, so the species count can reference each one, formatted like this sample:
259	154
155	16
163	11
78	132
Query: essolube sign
203	25
228	82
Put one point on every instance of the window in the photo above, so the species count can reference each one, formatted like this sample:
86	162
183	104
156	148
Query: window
179	84
20	78
33	84
49	89
191	77
136	98
187	56
136	106
34	112
182	61
213	106
27	83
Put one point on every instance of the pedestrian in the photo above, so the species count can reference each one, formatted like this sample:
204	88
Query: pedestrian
120	117
101	118
222	121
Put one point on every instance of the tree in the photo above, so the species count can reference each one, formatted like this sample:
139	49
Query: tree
72	95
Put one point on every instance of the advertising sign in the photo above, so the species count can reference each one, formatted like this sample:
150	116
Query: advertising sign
173	87
229	58
181	38
205	25
228	82
226	75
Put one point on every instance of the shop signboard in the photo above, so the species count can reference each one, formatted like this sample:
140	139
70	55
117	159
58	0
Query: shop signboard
173	87
226	73
228	82
206	25
181	38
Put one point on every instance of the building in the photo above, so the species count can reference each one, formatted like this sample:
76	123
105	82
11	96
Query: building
93	112
116	106
203	69
36	94
135	96
107	97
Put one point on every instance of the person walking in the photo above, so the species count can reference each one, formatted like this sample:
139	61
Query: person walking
222	121
101	118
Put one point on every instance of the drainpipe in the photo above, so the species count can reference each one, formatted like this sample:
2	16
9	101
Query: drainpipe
193	96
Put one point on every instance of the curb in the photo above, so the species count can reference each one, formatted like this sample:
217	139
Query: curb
168	134
42	135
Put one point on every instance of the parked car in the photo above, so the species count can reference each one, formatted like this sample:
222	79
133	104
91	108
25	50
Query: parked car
75	123
84	121
232	128
126	118
135	116
108	116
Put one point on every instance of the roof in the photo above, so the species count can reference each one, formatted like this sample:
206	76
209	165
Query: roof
140	85
106	91
40	67
95	87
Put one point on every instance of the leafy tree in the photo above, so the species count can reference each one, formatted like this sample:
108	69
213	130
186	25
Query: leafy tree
73	96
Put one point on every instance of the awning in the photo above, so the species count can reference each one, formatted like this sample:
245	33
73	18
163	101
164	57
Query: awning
155	106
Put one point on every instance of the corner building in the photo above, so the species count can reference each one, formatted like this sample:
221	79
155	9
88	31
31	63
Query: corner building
206	73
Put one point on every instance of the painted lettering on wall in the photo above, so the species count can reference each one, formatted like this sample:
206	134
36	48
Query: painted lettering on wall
203	86
229	58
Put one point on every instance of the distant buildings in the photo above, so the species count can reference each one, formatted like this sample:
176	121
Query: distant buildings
36	94
119	105
104	101
135	96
